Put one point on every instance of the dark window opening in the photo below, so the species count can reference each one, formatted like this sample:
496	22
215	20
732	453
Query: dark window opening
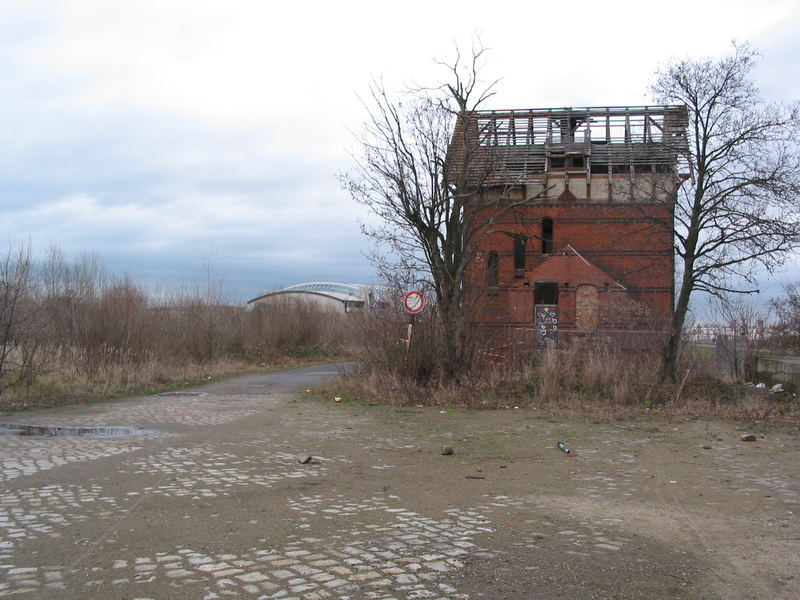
545	292
599	168
620	169
353	305
664	169
560	162
575	162
547	235
642	168
492	272
519	257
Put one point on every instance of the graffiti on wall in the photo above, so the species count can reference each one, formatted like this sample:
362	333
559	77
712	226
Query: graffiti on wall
546	324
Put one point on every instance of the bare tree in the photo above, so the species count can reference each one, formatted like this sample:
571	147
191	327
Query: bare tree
739	208
740	336
416	171
786	331
16	313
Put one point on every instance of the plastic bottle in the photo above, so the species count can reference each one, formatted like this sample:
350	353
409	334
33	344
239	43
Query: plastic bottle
563	448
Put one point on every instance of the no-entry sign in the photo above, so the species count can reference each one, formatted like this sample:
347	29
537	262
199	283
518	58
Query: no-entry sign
414	301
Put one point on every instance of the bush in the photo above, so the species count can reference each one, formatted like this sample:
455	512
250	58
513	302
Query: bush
73	322
584	376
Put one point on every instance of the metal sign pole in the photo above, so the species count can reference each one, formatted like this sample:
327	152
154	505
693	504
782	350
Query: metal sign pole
413	302
408	337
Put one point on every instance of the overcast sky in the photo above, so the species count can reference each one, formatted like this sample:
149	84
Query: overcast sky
163	135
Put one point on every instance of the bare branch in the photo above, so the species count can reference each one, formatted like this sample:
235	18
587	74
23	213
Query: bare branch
402	176
741	206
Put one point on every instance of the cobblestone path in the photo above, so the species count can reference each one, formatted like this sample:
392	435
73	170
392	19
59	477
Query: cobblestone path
213	503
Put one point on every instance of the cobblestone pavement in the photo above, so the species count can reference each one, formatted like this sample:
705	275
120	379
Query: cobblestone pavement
215	504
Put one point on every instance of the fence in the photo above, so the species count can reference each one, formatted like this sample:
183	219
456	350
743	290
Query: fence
518	343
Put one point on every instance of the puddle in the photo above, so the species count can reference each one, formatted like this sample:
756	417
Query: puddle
64	431
192	394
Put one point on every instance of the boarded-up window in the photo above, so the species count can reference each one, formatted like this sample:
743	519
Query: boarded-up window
586	308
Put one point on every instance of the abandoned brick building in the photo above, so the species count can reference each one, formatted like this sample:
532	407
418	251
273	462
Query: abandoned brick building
573	219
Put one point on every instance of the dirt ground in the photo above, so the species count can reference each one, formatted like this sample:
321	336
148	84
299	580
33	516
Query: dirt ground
216	504
642	511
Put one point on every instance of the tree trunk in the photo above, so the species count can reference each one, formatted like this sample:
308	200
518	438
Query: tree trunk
669	360
453	323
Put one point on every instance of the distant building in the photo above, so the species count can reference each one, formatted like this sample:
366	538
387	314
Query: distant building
325	295
589	245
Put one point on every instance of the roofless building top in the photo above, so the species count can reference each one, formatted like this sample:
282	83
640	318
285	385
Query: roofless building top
513	146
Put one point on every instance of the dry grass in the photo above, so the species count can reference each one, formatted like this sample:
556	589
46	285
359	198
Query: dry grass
589	383
69	386
70	333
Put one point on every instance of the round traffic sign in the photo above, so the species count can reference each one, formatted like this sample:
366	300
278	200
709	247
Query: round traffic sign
414	301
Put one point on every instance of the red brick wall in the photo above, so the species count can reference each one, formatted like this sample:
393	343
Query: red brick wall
620	239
